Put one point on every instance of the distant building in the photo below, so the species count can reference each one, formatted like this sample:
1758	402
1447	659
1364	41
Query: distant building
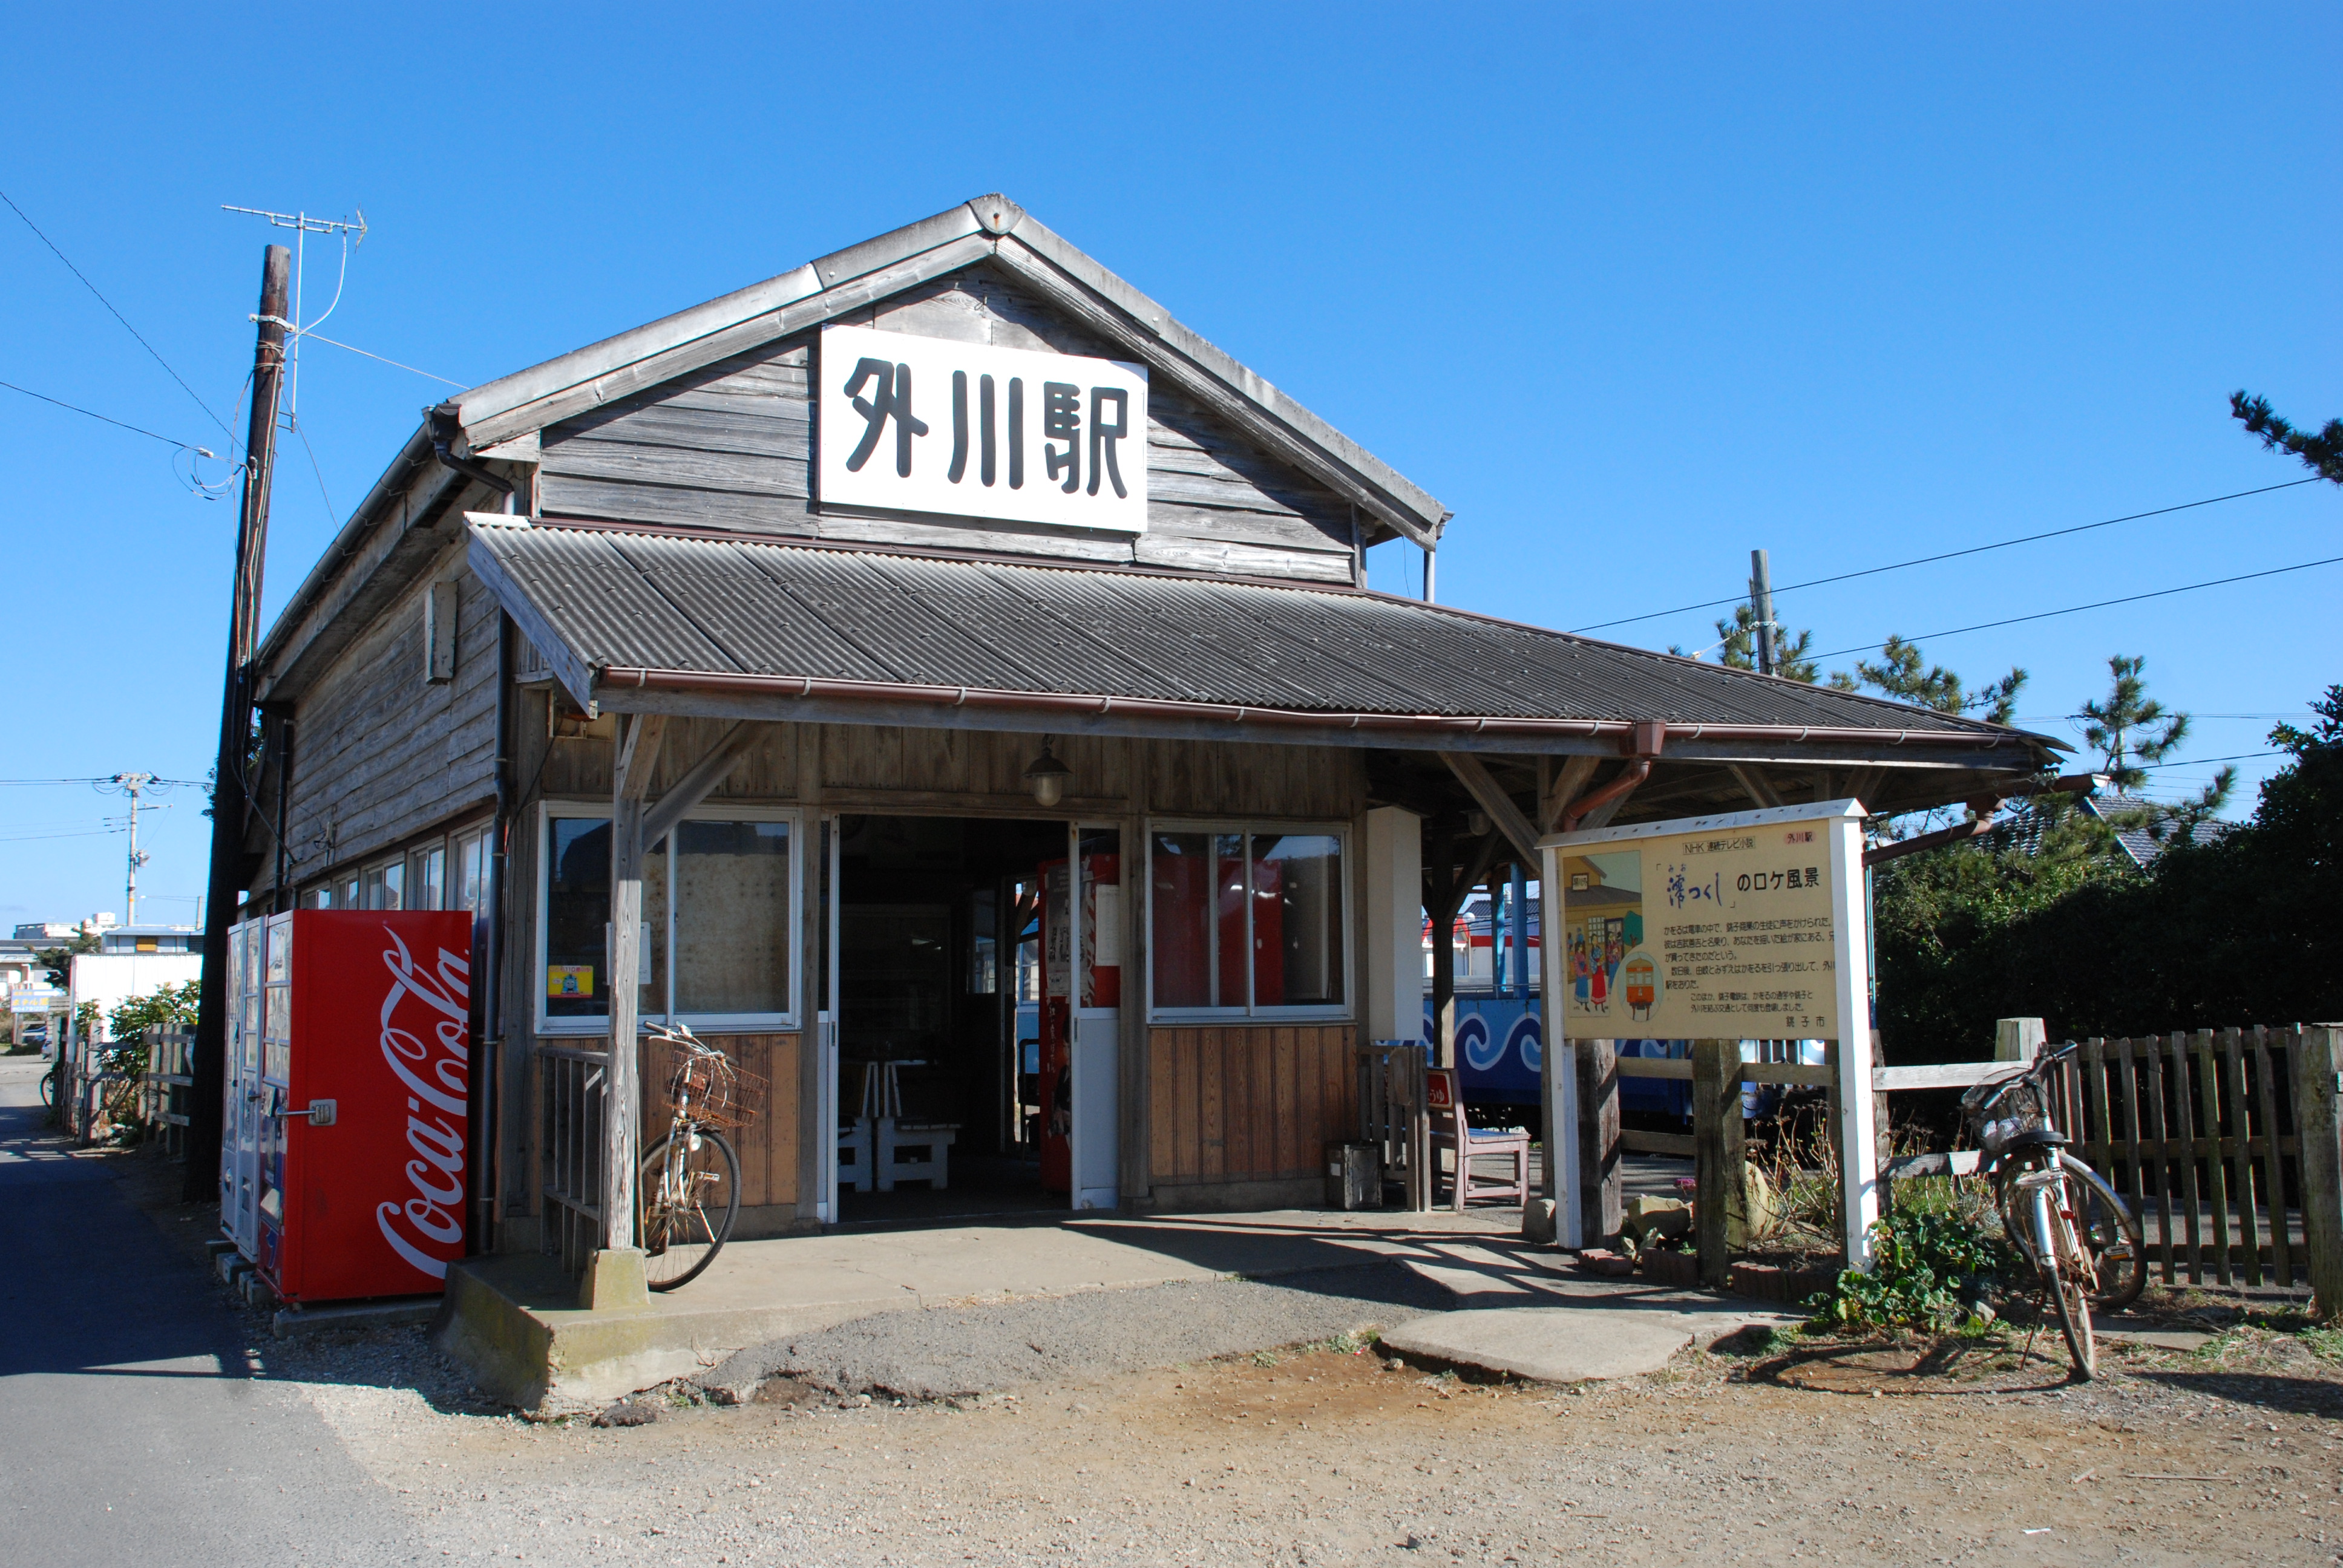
134	961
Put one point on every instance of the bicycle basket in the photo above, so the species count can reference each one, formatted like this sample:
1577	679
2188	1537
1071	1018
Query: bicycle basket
2002	1110
711	1088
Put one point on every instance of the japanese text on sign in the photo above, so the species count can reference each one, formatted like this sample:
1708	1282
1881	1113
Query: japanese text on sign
969	429
1679	936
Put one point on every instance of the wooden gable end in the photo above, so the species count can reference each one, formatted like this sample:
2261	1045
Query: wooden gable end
730	447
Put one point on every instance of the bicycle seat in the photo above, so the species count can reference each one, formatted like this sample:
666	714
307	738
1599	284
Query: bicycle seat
2039	1138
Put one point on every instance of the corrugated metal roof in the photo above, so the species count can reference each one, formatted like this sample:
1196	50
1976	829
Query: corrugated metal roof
635	601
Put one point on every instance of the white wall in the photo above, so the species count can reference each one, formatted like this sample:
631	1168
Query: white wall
110	979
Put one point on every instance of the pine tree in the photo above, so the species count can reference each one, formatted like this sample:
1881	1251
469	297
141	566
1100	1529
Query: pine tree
1739	648
2322	453
1899	673
2134	732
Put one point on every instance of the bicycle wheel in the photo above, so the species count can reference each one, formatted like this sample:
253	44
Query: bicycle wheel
2110	1234
686	1205
2064	1270
49	1089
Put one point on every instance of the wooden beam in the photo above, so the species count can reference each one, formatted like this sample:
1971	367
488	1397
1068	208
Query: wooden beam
701	783
1567	788
1756	785
640	738
1507	818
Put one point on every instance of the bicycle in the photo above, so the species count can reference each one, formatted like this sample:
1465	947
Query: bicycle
688	1190
2062	1217
49	1087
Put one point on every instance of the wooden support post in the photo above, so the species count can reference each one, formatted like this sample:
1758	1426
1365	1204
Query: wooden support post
615	1277
1721	1198
1600	1184
2018	1039
2317	1075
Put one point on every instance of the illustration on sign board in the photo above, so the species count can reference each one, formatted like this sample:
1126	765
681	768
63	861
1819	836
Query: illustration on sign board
1604	927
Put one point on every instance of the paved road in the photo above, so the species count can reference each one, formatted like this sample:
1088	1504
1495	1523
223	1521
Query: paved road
132	1430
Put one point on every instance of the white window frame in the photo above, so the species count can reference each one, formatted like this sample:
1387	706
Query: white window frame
705	1022
1342	1011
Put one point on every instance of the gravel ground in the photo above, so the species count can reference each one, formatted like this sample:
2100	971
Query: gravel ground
959	1352
1867	1452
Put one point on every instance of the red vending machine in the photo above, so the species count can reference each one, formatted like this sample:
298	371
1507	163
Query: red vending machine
349	1083
1101	986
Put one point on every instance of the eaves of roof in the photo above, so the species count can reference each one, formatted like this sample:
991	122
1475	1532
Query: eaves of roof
630	618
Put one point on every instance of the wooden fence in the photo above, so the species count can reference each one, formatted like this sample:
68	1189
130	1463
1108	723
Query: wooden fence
2226	1143
2201	1132
164	1088
1395	1114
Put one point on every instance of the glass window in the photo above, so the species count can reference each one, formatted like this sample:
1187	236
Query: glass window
1247	921
427	877
722	910
577	916
469	890
732	902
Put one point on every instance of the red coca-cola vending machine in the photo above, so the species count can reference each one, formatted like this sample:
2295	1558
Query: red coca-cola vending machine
349	1080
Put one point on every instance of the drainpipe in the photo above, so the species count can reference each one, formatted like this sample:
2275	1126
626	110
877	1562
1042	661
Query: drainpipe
444	432
1650	736
487	1070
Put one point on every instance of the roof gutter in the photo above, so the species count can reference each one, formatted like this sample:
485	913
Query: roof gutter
1640	735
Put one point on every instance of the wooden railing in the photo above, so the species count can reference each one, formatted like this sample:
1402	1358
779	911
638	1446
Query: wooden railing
570	1096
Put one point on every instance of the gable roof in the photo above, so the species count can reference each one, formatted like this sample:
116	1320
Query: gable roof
517	406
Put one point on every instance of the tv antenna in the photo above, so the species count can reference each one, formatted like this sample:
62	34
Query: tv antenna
353	231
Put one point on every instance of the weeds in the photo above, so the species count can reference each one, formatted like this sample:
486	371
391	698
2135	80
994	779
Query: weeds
1929	1269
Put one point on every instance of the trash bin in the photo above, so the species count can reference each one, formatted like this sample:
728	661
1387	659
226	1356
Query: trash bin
1354	1176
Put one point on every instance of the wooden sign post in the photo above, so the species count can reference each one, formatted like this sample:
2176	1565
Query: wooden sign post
1747	925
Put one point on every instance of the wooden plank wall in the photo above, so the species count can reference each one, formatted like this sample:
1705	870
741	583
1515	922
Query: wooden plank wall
732	447
768	1146
379	755
943	771
1248	1103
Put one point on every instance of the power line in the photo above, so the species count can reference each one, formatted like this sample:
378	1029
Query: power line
1954	555
86	283
392	362
2204	761
2077	610
94	414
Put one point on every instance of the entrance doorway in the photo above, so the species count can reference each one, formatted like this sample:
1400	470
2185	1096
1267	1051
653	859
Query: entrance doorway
975	1017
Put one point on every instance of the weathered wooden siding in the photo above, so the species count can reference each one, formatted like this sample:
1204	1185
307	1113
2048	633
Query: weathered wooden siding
768	1146
947	771
1247	1104
379	755
732	447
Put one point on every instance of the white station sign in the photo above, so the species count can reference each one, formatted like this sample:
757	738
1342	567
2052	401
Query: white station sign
967	429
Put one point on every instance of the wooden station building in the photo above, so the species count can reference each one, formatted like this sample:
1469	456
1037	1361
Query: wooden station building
805	636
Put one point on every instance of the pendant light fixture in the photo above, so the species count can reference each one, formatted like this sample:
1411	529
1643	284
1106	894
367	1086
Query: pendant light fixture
1046	777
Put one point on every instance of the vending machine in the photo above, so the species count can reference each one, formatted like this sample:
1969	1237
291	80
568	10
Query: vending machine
1100	987
343	1170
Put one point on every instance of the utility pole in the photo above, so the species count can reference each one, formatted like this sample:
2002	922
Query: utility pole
230	800
131	784
1761	602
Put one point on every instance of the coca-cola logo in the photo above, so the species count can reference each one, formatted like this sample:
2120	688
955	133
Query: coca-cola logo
426	1040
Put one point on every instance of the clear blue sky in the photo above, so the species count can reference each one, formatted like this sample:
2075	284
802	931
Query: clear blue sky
1632	290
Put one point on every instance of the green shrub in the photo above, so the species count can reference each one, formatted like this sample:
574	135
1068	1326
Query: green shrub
1927	1268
